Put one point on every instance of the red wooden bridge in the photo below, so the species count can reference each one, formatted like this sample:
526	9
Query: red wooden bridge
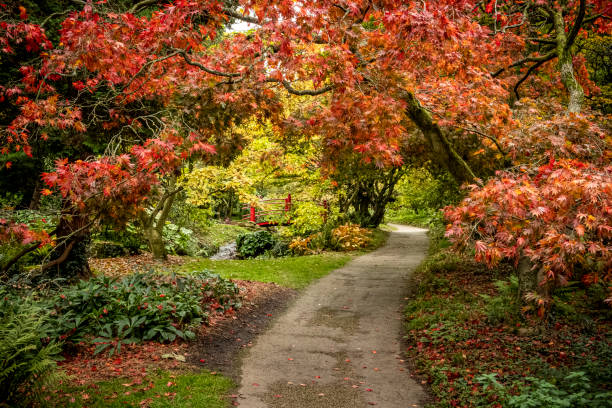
273	211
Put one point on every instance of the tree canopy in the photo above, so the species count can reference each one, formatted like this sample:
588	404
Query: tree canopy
132	93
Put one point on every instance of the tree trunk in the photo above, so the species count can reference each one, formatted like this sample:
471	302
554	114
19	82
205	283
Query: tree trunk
527	278
442	150
532	280
153	224
156	242
565	65
69	258
36	194
574	89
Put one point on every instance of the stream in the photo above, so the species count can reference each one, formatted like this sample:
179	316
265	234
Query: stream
227	251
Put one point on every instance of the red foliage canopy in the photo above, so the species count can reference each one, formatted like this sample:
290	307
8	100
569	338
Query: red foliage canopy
560	217
387	67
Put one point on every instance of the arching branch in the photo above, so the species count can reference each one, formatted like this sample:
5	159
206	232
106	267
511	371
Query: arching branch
24	252
442	149
577	25
140	5
19	255
545	57
61	259
293	91
524	77
189	61
241	17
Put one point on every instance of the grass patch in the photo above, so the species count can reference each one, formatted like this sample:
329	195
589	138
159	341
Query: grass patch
293	272
162	389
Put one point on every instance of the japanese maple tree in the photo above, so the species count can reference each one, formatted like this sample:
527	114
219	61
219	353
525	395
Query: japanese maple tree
558	219
396	75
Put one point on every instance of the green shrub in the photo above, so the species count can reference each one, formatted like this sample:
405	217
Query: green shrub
280	249
307	218
25	361
137	307
179	240
573	391
324	239
251	245
129	238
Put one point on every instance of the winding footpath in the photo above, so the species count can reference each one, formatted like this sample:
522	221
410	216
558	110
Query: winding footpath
339	343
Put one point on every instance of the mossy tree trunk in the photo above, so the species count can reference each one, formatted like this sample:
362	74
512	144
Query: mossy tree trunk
565	64
153	223
442	150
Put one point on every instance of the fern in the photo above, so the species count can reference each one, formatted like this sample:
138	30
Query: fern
25	362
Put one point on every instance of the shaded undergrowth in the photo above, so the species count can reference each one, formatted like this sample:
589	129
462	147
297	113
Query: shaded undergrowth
469	339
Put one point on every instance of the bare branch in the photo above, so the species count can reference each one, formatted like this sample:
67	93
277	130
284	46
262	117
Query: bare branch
542	41
523	20
293	91
344	9
148	64
491	138
524	77
544	58
205	69
577	25
238	16
50	16
144	3
61	259
589	20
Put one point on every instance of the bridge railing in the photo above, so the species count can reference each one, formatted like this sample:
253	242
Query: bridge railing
275	211
271	211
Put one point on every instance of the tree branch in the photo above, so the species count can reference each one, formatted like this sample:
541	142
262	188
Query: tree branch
542	41
18	256
135	8
577	25
166	209
293	91
491	138
145	66
524	77
524	19
593	18
238	16
50	16
61	259
23	252
161	202
205	69
544	58
441	146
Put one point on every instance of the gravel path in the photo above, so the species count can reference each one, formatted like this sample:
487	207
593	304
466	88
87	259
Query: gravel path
338	344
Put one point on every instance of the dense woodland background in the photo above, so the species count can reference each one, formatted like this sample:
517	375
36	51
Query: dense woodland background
132	127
